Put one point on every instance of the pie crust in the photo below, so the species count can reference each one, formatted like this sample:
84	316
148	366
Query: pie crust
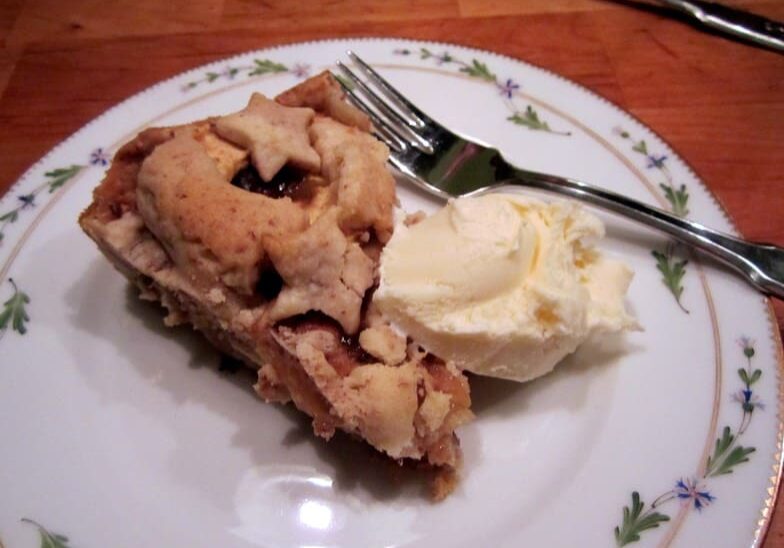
263	229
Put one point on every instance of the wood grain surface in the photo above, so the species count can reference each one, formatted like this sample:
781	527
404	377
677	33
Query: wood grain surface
718	102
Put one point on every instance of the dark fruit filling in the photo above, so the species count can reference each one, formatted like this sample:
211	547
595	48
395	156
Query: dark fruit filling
285	183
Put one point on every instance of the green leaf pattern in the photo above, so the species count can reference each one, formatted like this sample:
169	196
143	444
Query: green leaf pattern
9	217
479	70
640	146
635	521
737	456
14	313
48	538
527	117
672	270
261	66
678	198
58	177
257	68
726	456
53	180
668	260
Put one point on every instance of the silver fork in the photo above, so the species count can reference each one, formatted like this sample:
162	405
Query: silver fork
450	165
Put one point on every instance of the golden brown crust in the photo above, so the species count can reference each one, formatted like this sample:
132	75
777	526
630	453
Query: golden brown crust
279	281
443	483
212	230
383	343
323	271
117	192
405	410
323	94
357	163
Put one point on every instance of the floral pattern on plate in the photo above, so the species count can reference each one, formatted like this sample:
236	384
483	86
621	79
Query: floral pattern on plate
727	454
257	68
668	260
13	314
691	492
507	88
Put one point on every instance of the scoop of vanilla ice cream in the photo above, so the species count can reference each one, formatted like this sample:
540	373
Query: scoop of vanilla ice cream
502	285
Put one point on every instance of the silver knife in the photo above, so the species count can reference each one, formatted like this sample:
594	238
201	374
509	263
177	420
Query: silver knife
733	21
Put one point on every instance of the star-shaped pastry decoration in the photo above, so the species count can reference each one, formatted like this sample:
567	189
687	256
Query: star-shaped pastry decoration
275	135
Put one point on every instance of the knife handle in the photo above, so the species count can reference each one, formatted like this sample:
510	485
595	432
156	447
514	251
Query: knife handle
741	23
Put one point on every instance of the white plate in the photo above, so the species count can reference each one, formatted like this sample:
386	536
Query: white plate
118	432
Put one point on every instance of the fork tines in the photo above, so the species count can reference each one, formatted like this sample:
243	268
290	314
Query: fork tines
397	121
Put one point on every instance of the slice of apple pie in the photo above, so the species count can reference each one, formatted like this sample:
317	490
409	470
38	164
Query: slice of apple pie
263	230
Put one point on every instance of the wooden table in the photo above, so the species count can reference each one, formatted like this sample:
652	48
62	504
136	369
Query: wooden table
720	103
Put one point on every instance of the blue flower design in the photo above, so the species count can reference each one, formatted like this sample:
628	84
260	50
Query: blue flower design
508	88
656	161
99	157
689	490
28	200
748	399
300	70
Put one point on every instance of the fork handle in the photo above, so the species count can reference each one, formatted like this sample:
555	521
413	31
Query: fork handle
762	264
